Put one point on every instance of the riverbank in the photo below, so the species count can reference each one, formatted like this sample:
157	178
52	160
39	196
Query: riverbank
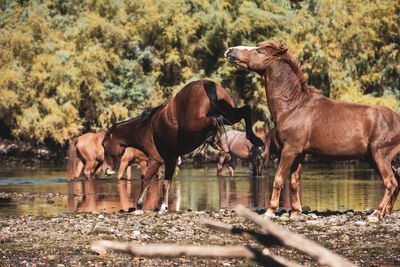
65	239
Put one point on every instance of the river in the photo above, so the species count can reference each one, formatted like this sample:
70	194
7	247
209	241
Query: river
336	187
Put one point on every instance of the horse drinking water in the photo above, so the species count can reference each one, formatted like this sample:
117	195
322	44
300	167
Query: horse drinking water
308	122
86	152
235	145
168	131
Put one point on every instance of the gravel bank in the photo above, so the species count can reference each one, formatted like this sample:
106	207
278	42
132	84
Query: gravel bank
65	239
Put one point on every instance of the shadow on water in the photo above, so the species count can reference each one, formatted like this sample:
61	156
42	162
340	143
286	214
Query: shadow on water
324	187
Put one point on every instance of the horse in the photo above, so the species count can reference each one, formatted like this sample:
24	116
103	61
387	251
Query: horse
307	122
235	145
130	157
87	152
192	117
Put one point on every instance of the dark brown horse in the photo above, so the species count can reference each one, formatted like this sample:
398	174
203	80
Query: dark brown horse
168	131
308	122
235	145
86	152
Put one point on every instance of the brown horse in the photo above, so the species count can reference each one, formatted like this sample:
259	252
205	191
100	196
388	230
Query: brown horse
168	131
131	156
272	146
87	151
235	145
308	122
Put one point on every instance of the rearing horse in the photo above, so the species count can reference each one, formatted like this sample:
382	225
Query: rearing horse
168	131
308	122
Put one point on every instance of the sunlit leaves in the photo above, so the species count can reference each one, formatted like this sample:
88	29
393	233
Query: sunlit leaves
68	67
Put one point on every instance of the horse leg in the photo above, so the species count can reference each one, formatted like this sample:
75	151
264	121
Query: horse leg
295	186
78	170
153	165
390	183
98	170
220	165
129	172
287	159
232	165
122	168
234	115
89	170
143	168
392	201
169	172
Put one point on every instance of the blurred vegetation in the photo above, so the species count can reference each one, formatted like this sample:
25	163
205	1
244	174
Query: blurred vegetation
70	66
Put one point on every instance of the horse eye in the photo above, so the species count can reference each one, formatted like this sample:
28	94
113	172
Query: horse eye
258	51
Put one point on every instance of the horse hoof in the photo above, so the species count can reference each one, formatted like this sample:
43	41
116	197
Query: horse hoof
269	214
163	209
138	212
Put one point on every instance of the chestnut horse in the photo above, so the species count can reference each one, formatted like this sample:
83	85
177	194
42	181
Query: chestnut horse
308	122
235	145
86	152
168	131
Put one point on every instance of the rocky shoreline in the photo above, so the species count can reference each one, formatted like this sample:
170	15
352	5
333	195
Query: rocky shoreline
65	239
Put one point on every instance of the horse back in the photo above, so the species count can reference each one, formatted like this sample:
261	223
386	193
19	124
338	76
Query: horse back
201	97
347	130
90	147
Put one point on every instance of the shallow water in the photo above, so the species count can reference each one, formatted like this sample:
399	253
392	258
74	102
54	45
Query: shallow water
340	187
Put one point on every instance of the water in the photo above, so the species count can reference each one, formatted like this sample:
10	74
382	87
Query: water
340	187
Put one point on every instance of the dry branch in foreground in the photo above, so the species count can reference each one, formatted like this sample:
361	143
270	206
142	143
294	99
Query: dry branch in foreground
271	235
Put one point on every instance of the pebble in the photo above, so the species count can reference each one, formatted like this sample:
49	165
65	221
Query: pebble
361	223
312	216
284	217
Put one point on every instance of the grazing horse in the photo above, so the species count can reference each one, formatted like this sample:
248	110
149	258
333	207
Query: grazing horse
235	145
87	151
168	131
308	122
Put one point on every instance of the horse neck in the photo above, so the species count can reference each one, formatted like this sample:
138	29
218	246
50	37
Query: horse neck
283	89
127	131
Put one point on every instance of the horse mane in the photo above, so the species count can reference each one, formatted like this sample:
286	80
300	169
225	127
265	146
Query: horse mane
284	55
146	115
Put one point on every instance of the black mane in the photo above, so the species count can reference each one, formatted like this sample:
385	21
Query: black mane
146	114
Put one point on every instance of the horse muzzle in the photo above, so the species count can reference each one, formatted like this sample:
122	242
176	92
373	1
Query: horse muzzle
109	172
230	54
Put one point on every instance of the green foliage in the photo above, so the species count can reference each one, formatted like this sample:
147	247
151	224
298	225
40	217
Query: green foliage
67	67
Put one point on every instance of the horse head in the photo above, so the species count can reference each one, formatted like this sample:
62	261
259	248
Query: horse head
113	151
256	58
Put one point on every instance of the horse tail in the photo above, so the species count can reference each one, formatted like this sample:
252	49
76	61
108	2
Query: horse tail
72	159
211	90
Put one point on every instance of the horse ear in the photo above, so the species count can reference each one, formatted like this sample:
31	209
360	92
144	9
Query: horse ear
281	52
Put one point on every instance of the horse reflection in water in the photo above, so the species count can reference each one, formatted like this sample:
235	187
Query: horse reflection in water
89	196
255	194
168	131
110	196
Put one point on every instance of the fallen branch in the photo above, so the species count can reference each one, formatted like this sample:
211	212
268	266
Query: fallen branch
265	239
295	241
271	235
169	250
